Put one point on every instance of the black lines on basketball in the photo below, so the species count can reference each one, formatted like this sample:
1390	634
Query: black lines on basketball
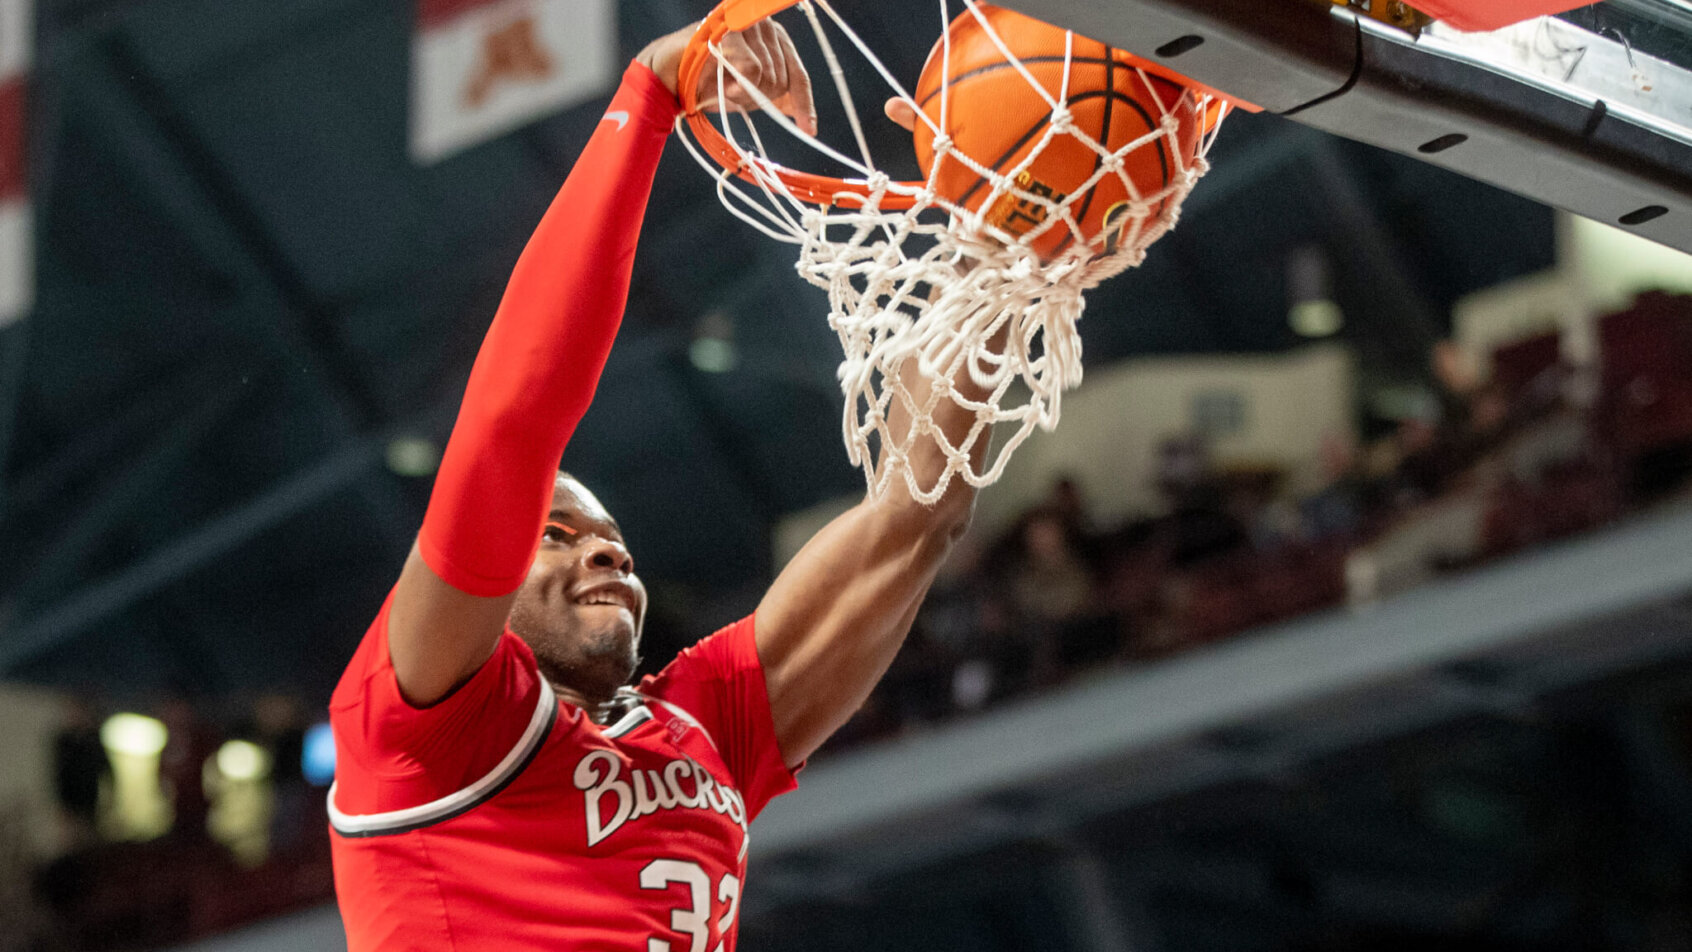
1112	95
1026	61
999	119
1104	139
1643	215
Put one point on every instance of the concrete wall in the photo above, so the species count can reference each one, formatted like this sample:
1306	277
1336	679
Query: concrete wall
32	718
1611	266
1550	301
318	930
1114	423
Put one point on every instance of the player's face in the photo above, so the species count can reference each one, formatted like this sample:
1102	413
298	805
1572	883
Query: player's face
581	607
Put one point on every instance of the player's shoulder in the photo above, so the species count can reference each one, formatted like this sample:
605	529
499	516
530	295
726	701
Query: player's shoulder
369	679
720	654
669	711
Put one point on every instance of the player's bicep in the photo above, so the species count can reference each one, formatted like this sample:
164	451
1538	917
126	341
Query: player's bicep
438	636
835	617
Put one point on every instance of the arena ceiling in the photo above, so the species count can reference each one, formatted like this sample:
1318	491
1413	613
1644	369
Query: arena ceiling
248	293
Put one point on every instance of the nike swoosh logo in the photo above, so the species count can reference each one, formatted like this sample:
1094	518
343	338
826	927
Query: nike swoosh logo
619	117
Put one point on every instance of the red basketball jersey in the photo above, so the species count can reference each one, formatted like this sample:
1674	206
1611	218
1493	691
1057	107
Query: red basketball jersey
501	818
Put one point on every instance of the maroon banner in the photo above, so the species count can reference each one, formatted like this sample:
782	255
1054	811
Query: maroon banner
435	12
14	172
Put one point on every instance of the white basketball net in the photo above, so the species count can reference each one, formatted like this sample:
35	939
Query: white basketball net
935	283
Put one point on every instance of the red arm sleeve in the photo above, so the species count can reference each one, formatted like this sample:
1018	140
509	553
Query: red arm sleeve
540	362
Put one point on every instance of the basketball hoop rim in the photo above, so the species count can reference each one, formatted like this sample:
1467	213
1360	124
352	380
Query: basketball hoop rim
733	16
826	190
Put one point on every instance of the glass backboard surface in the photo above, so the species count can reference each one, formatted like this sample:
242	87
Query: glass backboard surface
1589	111
1635	55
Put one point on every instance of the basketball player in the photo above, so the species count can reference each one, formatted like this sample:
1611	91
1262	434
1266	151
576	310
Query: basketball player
499	788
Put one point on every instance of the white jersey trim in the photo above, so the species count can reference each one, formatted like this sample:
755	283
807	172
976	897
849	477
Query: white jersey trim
643	712
629	722
454	804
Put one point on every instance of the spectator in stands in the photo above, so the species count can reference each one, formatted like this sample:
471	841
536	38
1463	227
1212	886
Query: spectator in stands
191	742
80	770
1336	510
1199	525
1050	582
1053	595
969	626
279	725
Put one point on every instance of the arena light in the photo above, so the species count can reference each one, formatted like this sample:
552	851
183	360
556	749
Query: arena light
134	734
317	757
412	456
1321	318
1311	309
712	349
242	760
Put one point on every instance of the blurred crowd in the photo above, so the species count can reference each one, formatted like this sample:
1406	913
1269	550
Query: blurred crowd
1536	451
173	824
1485	466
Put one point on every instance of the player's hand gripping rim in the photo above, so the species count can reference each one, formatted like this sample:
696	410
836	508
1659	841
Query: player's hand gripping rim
763	53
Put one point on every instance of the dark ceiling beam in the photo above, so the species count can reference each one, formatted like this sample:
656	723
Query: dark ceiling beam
144	413
1404	320
1270	153
1187	259
45	133
130	485
14	348
268	265
352	468
210	214
96	88
739	455
199	548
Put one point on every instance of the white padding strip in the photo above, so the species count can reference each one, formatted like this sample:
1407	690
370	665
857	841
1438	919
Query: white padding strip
452	804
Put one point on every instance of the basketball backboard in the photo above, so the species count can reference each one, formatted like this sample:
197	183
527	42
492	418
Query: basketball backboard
1590	111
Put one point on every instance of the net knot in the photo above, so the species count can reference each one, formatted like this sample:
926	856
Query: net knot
1063	121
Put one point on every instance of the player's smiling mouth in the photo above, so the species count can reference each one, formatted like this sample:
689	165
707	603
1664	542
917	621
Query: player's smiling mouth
608	593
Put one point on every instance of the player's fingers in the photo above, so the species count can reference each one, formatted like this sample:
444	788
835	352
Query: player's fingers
799	103
769	41
741	55
757	44
901	112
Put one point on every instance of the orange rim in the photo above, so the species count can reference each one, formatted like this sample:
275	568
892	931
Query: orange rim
735	15
1218	98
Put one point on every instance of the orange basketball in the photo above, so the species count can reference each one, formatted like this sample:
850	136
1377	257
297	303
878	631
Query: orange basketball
996	117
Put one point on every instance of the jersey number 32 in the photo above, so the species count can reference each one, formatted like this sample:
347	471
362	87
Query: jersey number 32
693	921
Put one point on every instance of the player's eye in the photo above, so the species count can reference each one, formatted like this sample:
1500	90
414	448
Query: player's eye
558	532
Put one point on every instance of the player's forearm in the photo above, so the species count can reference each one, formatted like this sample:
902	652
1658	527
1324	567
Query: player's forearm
926	459
540	362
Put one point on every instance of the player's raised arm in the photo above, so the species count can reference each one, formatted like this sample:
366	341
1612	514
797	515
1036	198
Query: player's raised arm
836	615
538	367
